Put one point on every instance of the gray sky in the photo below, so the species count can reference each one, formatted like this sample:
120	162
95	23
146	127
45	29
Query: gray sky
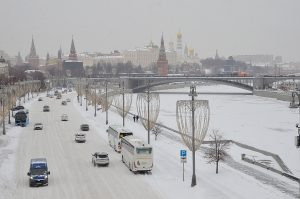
231	26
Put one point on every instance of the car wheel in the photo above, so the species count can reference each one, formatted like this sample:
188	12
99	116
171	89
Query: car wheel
129	167
123	159
94	164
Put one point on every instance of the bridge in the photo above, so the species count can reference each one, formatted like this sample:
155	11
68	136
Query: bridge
140	83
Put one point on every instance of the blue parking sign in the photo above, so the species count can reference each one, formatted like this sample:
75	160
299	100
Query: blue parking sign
183	153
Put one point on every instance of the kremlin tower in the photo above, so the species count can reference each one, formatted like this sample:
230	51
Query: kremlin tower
179	47
72	67
73	55
162	62
33	58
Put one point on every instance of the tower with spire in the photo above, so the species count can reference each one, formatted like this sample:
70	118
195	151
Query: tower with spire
179	49
73	54
33	58
162	62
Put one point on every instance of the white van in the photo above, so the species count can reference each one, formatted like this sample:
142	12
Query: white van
115	133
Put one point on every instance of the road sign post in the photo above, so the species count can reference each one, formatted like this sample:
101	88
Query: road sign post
183	160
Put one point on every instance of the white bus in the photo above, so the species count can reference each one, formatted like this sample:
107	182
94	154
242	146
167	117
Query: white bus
136	154
115	133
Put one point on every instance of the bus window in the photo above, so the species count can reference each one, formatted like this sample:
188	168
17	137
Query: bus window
143	150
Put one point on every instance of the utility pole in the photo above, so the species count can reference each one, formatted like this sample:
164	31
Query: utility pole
106	105
148	100
193	94
95	101
123	93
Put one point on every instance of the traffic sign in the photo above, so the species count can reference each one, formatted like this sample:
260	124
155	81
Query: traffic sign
183	153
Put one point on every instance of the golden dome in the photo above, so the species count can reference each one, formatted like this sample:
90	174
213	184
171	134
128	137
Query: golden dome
179	35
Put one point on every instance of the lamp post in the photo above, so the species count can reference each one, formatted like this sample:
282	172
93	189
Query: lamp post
86	98
193	94
106	105
123	93
148	100
95	101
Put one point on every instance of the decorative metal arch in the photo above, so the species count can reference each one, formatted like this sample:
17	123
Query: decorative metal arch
184	120
142	108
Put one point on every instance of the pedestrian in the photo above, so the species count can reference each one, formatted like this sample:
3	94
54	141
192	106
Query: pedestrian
137	118
134	118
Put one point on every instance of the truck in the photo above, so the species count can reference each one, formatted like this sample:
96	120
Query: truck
38	172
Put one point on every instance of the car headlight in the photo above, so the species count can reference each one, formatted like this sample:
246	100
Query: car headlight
31	177
46	176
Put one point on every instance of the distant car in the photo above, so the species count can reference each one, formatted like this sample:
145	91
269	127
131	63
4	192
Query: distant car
46	108
64	117
68	100
51	96
40	99
63	103
38	126
58	97
84	127
99	158
70	90
80	137
17	108
48	95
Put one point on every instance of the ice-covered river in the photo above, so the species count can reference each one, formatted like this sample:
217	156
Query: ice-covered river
264	123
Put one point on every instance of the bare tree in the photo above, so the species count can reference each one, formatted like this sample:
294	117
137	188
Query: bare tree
217	149
156	130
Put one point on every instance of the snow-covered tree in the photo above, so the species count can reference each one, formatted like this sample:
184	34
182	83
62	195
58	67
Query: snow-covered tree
156	130
217	149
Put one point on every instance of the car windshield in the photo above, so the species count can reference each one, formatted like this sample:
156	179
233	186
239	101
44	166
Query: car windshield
20	115
39	171
38	124
102	155
143	150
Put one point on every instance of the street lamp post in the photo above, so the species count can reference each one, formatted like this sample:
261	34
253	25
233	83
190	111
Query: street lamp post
86	99
148	100
123	93
193	94
106	105
95	101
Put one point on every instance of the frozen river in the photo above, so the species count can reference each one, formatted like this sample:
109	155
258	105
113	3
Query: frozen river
264	123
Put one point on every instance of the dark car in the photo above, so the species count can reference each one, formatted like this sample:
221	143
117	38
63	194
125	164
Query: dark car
17	108
84	127
38	126
46	108
38	172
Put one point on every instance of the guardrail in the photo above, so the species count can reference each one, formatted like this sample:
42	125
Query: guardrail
291	177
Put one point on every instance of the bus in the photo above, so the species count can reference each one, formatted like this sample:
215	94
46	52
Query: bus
136	154
115	133
21	118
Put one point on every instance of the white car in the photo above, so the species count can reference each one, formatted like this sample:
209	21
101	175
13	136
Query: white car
64	117
38	126
80	137
100	159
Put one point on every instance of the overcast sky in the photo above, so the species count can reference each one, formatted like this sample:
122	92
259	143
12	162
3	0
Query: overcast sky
231	26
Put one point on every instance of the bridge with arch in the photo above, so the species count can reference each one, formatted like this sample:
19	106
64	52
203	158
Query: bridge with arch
140	83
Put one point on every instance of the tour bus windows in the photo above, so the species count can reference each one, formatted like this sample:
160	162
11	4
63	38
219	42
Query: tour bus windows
143	150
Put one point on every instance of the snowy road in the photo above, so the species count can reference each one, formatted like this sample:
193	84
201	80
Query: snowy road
72	173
